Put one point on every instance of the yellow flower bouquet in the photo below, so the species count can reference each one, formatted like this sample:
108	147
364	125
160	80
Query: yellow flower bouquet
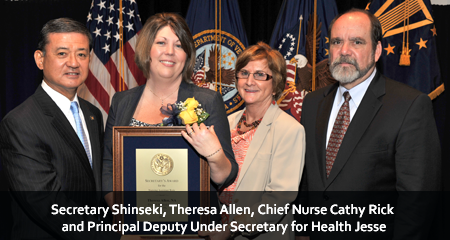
182	113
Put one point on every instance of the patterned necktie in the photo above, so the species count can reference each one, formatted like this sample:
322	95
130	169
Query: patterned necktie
80	131
338	132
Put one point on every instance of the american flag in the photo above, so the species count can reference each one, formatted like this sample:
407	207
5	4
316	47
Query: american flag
291	100
112	68
290	38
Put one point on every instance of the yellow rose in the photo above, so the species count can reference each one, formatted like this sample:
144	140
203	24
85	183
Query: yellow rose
191	103
188	116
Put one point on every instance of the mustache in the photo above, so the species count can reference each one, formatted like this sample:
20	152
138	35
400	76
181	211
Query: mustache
344	59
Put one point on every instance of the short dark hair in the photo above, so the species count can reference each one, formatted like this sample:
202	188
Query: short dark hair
275	61
374	22
62	25
147	36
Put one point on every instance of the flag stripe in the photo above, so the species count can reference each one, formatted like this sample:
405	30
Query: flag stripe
98	91
134	70
116	79
101	74
106	73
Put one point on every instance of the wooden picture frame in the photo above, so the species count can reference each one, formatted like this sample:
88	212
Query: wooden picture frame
126	140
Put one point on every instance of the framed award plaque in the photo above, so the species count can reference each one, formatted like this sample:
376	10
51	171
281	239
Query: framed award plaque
157	176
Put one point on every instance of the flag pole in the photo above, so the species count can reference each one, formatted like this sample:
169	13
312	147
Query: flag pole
215	46
314	48
299	32
220	45
293	60
121	60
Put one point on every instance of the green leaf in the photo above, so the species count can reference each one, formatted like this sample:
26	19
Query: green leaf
202	117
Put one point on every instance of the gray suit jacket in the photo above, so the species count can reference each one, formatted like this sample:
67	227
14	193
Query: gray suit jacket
45	163
124	105
391	145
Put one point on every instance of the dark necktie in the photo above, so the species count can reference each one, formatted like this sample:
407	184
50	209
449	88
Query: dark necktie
80	131
338	132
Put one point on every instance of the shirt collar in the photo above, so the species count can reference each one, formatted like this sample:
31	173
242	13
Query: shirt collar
357	92
61	101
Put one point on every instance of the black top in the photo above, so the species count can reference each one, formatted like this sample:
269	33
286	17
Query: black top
124	105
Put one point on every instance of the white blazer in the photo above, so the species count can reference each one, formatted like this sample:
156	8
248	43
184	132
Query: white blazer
272	168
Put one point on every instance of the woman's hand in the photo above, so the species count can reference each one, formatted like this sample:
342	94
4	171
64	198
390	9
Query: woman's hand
206	143
203	139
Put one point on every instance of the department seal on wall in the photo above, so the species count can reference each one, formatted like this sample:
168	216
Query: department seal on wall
216	56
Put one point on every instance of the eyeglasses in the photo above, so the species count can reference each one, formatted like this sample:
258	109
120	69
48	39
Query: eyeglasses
260	76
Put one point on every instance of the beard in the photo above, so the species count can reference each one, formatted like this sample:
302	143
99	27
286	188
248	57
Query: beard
348	74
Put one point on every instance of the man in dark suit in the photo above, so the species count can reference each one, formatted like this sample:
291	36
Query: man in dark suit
51	144
369	133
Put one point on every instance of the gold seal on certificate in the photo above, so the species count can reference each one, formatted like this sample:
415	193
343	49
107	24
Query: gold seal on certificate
161	164
166	183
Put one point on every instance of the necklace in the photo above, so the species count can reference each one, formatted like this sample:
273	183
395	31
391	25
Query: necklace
243	120
162	99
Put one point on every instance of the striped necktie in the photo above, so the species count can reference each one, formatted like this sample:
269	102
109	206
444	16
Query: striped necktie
80	131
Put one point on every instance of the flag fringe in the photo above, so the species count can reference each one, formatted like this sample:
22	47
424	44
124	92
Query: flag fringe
434	94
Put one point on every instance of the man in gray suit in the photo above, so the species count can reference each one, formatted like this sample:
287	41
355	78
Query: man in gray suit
51	144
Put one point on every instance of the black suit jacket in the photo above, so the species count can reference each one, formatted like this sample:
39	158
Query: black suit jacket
124	105
391	145
45	163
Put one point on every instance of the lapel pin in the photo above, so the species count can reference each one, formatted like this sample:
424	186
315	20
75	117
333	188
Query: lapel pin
92	117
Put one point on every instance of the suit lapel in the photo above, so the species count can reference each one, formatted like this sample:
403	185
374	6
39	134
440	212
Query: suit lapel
132	102
92	127
234	121
185	91
322	119
367	110
63	127
258	139
131	105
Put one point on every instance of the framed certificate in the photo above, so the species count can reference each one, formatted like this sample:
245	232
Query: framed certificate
157	170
